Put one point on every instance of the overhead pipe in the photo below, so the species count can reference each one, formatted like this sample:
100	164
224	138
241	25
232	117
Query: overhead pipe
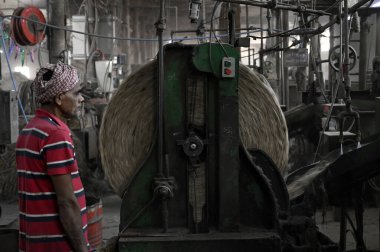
276	6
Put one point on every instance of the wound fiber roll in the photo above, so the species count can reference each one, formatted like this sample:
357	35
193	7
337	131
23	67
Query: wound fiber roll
127	130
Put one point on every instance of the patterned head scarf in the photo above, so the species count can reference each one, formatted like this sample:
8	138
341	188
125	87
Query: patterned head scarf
63	79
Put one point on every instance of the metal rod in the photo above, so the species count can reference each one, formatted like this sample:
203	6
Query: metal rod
332	76
261	43
231	25
247	25
276	6
340	82
346	64
363	59
285	70
377	33
343	228
160	25
359	210
206	30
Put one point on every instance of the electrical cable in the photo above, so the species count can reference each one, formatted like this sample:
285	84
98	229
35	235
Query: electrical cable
10	69
213	31
209	43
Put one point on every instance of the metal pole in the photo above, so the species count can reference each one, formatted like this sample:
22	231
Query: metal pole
278	59
160	25
332	76
261	42
346	65
340	80
247	24
285	25
363	59
343	228
377	33
162	171
231	25
57	36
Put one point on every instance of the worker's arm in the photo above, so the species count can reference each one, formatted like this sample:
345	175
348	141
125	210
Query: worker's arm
69	211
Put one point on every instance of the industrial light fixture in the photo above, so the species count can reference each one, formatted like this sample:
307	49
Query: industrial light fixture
375	4
194	9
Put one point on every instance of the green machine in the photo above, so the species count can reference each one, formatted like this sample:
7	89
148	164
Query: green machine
208	193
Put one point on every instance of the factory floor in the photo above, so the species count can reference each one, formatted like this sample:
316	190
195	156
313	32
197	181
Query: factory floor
328	226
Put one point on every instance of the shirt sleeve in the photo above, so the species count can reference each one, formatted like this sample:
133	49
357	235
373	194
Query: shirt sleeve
59	153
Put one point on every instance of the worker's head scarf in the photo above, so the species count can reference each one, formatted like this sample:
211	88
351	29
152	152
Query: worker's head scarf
63	79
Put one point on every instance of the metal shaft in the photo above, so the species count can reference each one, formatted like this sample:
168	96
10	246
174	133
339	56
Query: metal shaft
363	59
346	65
377	33
160	114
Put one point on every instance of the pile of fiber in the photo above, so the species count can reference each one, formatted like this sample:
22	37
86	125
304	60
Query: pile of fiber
128	126
8	174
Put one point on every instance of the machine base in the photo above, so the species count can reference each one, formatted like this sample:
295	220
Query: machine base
260	241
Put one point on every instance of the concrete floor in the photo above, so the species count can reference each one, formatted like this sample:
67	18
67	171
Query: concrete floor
329	226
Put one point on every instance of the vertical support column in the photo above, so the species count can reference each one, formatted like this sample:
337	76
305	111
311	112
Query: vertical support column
57	36
285	25
247	26
314	54
279	69
363	54
377	33
343	229
127	44
228	133
227	121
359	211
332	74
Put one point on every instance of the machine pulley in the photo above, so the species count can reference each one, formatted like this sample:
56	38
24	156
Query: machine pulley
23	30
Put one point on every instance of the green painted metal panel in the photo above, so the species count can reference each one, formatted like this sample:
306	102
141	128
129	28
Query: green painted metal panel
173	85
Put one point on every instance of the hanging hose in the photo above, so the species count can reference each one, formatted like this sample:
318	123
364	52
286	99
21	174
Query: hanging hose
10	69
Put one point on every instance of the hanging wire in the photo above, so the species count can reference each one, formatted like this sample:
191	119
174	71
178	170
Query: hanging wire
213	31
10	69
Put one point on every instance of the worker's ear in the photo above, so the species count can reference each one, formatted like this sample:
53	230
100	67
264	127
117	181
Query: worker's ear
58	99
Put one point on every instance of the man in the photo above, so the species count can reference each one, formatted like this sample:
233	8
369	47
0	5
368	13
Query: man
52	205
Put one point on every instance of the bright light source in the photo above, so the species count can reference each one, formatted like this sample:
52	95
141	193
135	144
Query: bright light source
23	70
375	4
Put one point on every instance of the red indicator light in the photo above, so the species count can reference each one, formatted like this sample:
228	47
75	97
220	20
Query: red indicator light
227	71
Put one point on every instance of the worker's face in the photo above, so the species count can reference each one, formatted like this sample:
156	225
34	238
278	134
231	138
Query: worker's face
70	101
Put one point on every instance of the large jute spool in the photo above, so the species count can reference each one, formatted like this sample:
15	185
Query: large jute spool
127	131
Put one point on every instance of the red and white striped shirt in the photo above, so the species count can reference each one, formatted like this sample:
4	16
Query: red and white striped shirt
45	148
